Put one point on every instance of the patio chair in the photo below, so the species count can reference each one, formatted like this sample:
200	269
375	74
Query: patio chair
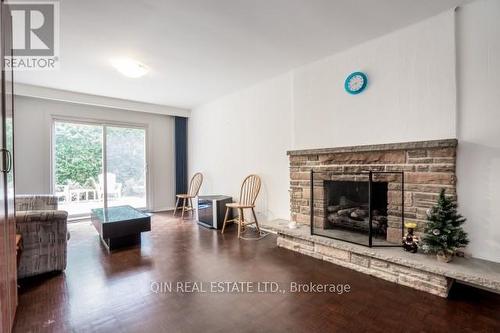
114	188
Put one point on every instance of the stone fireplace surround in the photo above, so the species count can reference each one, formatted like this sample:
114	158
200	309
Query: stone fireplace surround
429	166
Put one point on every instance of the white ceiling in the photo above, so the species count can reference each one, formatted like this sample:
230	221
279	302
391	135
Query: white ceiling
199	50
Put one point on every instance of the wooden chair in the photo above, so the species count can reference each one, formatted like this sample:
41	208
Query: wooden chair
248	194
187	199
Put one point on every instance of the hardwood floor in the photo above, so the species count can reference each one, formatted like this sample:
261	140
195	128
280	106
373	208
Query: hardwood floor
112	293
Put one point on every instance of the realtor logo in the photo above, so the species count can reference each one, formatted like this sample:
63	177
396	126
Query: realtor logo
35	35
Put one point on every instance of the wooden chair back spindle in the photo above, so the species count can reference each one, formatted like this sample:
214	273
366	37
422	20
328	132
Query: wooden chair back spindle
250	190
195	184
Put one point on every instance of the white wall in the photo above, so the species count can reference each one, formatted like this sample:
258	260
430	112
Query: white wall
412	74
33	118
247	132
410	94
478	168
422	86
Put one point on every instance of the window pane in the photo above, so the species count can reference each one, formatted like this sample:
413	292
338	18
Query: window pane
78	164
126	166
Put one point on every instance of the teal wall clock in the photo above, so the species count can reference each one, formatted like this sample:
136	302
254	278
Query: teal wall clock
355	83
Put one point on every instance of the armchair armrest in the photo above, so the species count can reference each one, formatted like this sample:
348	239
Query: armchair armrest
36	202
45	235
37	222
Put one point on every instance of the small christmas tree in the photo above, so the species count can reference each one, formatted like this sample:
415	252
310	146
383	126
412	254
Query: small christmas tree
444	233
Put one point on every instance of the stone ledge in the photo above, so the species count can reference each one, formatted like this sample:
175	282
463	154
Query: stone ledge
381	147
418	271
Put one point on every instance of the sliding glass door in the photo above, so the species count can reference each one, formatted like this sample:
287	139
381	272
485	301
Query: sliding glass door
98	165
126	166
78	151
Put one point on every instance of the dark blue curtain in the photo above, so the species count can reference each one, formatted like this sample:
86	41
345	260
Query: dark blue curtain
181	177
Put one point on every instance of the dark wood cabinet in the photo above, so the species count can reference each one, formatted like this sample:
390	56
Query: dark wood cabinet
8	262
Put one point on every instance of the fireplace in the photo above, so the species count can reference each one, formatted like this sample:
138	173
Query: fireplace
406	180
355	206
347	205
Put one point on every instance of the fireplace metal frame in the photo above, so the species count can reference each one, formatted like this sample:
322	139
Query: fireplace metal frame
370	225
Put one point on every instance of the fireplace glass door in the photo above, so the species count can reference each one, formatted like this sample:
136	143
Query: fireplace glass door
356	208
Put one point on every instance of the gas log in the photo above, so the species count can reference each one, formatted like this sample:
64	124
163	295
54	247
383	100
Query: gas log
355	217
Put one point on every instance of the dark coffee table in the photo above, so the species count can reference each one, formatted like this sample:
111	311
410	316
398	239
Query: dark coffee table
120	226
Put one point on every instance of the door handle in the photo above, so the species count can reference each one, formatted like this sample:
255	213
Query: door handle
8	160
9	165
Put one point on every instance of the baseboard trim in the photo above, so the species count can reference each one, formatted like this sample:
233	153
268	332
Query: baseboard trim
163	210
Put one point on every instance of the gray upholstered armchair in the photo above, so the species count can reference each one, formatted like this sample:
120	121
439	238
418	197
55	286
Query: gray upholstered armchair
44	234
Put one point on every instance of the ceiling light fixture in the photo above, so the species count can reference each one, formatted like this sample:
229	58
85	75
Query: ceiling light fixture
130	67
